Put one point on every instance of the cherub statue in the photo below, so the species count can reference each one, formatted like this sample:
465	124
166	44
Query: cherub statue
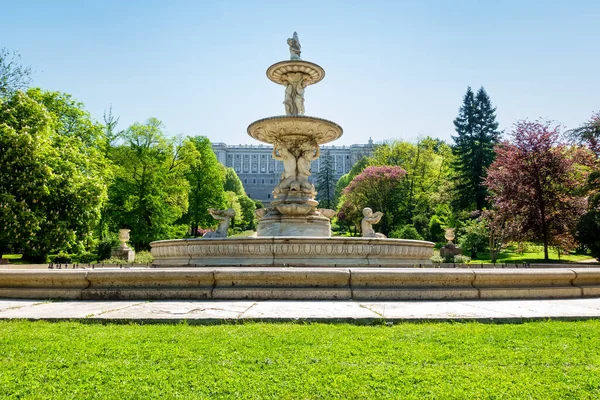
224	216
294	44
369	219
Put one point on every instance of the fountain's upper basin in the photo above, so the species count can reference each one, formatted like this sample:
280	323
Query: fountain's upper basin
294	128
291	251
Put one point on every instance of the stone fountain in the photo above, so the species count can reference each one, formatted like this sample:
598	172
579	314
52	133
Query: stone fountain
292	230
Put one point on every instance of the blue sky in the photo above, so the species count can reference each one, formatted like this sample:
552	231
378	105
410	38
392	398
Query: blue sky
394	69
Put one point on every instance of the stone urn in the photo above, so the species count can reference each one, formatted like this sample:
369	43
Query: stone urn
124	238
449	250
449	235
123	252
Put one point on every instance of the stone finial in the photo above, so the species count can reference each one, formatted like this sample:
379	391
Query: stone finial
224	217
295	47
366	225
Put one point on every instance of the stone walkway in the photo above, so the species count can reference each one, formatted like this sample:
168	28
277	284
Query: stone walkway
205	312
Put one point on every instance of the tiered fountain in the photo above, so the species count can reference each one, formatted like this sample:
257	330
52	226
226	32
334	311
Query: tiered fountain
292	230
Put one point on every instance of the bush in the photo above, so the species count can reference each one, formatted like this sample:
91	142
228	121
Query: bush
105	246
406	232
62	258
143	257
87	258
114	260
460	259
436	259
436	229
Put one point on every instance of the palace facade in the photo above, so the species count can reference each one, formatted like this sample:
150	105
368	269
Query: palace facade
260	172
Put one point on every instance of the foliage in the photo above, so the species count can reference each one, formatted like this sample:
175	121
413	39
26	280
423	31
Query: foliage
473	236
345	179
539	360
232	201
150	191
86	258
13	75
536	183
588	134
105	246
62	258
326	182
143	257
406	232
426	185
436	259
461	259
247	218
436	229
380	189
588	227
52	186
477	134
205	177
233	183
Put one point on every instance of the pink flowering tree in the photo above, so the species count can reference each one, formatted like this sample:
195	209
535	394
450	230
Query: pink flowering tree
379	188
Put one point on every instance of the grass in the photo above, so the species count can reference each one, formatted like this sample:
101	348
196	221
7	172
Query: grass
540	360
532	254
244	233
12	256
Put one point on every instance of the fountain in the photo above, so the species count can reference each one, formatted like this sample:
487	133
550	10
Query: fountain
292	230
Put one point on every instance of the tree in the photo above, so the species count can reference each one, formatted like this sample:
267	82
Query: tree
205	177
150	191
588	134
379	188
13	75
477	134
536	181
246	219
233	183
326	182
427	166
51	188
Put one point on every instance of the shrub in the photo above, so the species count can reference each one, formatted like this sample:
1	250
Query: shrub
105	246
436	259
62	258
143	257
87	258
460	259
114	260
406	232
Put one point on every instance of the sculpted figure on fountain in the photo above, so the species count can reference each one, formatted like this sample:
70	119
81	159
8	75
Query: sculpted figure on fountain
367	222
224	217
294	93
295	47
308	151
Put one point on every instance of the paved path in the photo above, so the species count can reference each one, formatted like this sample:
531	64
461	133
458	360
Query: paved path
195	311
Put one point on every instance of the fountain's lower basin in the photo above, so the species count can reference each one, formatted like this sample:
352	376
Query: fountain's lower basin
291	251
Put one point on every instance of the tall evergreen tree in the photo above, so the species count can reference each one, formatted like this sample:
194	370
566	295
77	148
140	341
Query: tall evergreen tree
477	134
326	182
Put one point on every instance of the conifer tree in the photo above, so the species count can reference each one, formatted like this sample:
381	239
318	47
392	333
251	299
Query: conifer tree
477	134
326	182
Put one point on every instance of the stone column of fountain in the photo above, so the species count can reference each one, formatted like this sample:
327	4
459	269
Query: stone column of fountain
295	139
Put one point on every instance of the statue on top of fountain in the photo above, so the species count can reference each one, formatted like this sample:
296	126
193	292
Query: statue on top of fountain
295	47
294	93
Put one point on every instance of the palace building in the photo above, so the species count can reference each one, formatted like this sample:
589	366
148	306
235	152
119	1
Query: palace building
260	172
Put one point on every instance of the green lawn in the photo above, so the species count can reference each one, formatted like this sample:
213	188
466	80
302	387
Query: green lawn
540	360
532	254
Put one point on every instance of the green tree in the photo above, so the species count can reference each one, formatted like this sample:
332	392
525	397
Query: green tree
205	177
150	191
427	166
247	218
232	201
477	134
233	183
13	75
326	182
52	187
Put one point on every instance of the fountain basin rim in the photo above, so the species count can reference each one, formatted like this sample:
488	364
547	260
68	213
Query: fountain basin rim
269	129
277	70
